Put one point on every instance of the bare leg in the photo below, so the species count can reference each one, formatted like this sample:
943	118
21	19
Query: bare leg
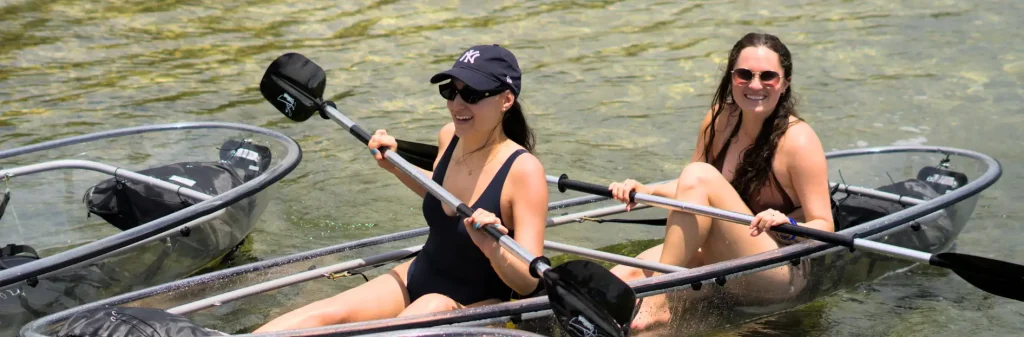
687	234
627	273
383	297
718	240
654	309
431	303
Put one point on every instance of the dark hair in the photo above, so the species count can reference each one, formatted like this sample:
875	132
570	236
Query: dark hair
755	161
514	125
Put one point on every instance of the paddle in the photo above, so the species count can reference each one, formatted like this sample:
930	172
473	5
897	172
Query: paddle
419	154
994	276
587	299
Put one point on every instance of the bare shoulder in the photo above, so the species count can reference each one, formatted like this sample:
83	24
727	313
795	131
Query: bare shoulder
527	185
720	123
800	137
445	135
801	149
707	119
729	116
447	131
702	132
527	170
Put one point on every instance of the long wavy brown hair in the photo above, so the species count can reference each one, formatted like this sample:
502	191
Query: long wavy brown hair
755	161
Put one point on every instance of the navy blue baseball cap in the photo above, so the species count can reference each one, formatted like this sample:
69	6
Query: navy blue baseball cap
484	68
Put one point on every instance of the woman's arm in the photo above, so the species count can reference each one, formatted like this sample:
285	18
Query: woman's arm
443	138
808	172
529	204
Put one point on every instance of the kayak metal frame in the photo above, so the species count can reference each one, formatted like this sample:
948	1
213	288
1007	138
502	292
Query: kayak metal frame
210	302
116	172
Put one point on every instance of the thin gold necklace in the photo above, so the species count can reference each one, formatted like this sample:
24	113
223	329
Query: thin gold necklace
490	157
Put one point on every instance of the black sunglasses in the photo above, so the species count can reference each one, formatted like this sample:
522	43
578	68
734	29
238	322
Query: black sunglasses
468	94
767	77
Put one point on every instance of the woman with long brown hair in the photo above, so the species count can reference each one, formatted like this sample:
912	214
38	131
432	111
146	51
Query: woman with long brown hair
754	155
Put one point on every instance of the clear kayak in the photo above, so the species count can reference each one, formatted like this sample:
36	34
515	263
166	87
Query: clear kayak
93	216
915	197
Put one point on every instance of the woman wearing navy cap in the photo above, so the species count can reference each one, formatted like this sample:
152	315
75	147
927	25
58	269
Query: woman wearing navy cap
486	162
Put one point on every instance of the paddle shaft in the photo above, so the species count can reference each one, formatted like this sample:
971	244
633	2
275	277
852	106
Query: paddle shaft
829	237
424	155
993	276
538	265
847	241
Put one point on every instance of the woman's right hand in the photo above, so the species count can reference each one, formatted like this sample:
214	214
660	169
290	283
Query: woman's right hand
620	191
380	139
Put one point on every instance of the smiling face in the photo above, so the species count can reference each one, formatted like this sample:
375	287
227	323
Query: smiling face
483	116
752	94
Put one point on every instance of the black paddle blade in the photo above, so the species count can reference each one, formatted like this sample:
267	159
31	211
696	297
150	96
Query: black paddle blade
996	277
294	85
419	154
588	300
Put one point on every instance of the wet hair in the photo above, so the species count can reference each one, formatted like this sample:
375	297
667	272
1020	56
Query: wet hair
755	165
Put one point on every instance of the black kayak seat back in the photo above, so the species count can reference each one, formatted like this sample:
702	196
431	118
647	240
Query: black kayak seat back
127	204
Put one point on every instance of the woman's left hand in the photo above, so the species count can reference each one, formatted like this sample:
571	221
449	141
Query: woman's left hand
475	226
766	220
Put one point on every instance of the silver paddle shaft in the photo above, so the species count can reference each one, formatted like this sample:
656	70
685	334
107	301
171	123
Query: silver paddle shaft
830	237
848	189
435	189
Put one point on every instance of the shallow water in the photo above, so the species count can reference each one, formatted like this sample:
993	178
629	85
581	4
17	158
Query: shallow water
614	90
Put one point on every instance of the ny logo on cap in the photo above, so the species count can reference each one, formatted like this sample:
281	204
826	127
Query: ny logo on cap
469	56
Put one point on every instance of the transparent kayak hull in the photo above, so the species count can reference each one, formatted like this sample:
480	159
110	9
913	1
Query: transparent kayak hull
80	257
730	292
